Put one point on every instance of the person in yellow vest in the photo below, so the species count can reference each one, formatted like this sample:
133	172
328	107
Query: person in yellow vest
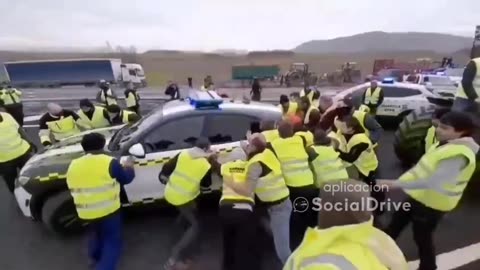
106	94
430	138
264	176
289	108
15	148
95	181
117	116
57	124
345	238
436	184
13	104
269	130
324	160
467	98
305	108
91	116
290	151
238	219
132	99
373	97
312	94
184	177
306	131
357	149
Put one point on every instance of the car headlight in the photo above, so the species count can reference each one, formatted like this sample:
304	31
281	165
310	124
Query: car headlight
22	180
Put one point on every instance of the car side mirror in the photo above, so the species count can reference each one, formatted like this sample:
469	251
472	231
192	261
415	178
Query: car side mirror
137	150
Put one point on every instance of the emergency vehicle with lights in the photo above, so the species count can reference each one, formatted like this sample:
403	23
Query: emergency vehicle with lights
41	190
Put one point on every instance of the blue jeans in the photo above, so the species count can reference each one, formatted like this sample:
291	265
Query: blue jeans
280	224
105	241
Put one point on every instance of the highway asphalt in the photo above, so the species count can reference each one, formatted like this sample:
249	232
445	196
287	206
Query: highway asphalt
149	235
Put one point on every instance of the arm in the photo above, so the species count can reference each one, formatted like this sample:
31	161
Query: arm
374	127
363	96
124	176
254	171
206	181
312	155
354	153
168	169
44	132
380	97
467	80
447	172
17	92
132	118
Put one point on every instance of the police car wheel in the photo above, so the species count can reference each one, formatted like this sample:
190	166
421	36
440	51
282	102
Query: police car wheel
409	142
59	214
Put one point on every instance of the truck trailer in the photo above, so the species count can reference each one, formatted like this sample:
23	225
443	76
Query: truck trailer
87	72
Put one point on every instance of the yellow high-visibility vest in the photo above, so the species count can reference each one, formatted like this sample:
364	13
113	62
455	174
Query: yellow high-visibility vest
327	166
271	135
132	99
313	102
372	97
447	198
60	129
292	109
98	119
271	187
107	99
430	139
294	161
236	171
307	135
360	116
476	83
367	161
307	115
183	185
12	145
95	193
10	96
352	247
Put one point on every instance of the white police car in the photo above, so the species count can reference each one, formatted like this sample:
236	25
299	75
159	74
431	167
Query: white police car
400	98
41	189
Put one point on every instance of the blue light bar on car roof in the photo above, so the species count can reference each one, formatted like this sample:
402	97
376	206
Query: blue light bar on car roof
388	80
204	99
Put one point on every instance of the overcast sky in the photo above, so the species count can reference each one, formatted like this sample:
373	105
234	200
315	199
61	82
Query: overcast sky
220	24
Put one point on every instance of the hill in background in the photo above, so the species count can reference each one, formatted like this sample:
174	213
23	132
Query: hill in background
388	42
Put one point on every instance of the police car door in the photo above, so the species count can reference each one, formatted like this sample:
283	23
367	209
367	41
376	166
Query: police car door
161	144
225	132
392	104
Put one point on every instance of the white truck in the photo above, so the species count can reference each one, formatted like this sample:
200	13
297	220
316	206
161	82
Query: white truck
88	72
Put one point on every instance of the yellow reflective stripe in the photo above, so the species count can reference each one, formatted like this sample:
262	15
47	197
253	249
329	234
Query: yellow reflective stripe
270	194
98	205
94	189
270	181
295	161
335	260
180	189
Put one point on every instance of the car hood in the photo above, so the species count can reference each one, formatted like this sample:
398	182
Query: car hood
56	159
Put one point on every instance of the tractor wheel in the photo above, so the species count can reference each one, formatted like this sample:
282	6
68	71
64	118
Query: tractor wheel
409	143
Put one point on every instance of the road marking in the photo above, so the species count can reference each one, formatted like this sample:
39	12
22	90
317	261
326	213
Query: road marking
30	126
455	258
32	118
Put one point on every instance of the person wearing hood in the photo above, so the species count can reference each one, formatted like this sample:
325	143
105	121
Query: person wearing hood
58	123
436	184
91	116
132	99
106	94
184	177
306	131
312	94
117	116
305	108
345	237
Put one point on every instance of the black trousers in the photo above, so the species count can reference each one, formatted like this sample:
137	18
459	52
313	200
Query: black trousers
16	111
425	221
302	218
9	170
376	191
239	239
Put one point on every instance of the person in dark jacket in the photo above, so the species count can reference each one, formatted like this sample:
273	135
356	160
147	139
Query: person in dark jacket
466	99
256	92
172	90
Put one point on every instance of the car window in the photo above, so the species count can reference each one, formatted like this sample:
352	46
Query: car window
389	91
228	127
177	134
